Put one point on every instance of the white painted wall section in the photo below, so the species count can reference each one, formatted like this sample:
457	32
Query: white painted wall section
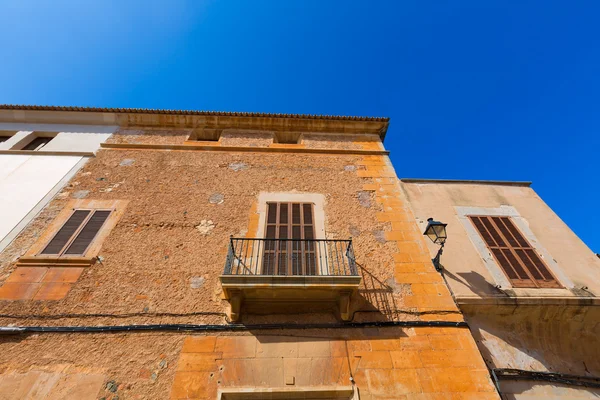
27	184
29	181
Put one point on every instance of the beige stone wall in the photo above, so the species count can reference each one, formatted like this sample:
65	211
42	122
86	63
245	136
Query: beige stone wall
552	330
470	277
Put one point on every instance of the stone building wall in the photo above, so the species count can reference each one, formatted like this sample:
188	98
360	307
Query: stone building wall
161	264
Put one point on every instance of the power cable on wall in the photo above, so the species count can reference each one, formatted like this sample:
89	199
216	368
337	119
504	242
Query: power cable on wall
554	377
222	328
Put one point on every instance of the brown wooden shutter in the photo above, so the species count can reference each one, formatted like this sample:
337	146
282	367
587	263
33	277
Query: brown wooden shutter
517	258
88	233
289	257
66	232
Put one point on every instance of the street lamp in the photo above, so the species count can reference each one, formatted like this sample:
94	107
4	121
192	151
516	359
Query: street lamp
436	231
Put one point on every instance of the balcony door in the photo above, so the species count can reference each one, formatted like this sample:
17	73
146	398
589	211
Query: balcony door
294	252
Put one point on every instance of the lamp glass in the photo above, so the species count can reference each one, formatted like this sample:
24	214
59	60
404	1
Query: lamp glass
436	231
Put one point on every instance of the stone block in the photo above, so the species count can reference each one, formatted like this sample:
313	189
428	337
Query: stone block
273	346
199	344
450	358
64	275
445	342
83	386
406	359
236	346
374	359
52	291
338	348
317	348
396	235
392	383
451	379
415	267
236	372
410	246
193	385
18	291
386	344
27	274
406	226
268	372
415	343
198	362
413	277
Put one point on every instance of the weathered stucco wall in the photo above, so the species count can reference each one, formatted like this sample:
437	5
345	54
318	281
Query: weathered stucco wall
552	330
470	277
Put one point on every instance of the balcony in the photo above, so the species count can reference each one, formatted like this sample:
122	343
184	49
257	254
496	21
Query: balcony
278	275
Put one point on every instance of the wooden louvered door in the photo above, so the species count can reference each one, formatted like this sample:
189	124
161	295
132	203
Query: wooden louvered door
77	234
517	258
295	252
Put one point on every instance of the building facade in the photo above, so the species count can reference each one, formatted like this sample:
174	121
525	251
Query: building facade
200	255
525	282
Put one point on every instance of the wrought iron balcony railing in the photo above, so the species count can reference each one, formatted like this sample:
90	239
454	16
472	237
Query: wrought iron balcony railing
290	257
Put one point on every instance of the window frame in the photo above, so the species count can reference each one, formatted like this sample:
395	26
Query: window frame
276	251
532	282
75	234
33	255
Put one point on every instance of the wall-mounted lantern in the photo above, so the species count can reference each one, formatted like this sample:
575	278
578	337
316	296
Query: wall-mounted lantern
436	231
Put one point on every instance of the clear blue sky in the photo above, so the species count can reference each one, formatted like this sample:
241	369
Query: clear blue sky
504	90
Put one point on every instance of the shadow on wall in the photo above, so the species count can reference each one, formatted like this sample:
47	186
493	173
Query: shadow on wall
475	282
514	390
375	297
553	338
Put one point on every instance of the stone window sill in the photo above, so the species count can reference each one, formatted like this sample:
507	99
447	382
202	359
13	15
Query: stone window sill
62	262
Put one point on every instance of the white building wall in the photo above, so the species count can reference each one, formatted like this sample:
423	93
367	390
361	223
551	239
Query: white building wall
27	184
29	181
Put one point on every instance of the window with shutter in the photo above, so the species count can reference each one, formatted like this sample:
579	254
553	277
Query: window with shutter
513	253
296	253
76	235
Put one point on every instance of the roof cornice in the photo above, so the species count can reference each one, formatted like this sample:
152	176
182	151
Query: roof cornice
467	182
193	119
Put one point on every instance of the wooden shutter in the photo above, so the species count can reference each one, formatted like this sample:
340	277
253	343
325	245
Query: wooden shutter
66	232
75	236
517	258
297	256
88	233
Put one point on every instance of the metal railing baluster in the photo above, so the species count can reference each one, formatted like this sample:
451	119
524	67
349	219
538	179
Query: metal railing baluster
299	257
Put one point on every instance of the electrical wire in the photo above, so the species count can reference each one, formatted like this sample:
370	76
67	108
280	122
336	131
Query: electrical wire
222	328
555	377
126	315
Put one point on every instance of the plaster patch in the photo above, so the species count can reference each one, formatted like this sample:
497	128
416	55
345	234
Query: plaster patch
350	168
238	166
196	282
81	194
216	198
205	226
127	162
354	231
379	236
364	198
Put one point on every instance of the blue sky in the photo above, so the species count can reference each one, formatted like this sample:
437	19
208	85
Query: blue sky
504	90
